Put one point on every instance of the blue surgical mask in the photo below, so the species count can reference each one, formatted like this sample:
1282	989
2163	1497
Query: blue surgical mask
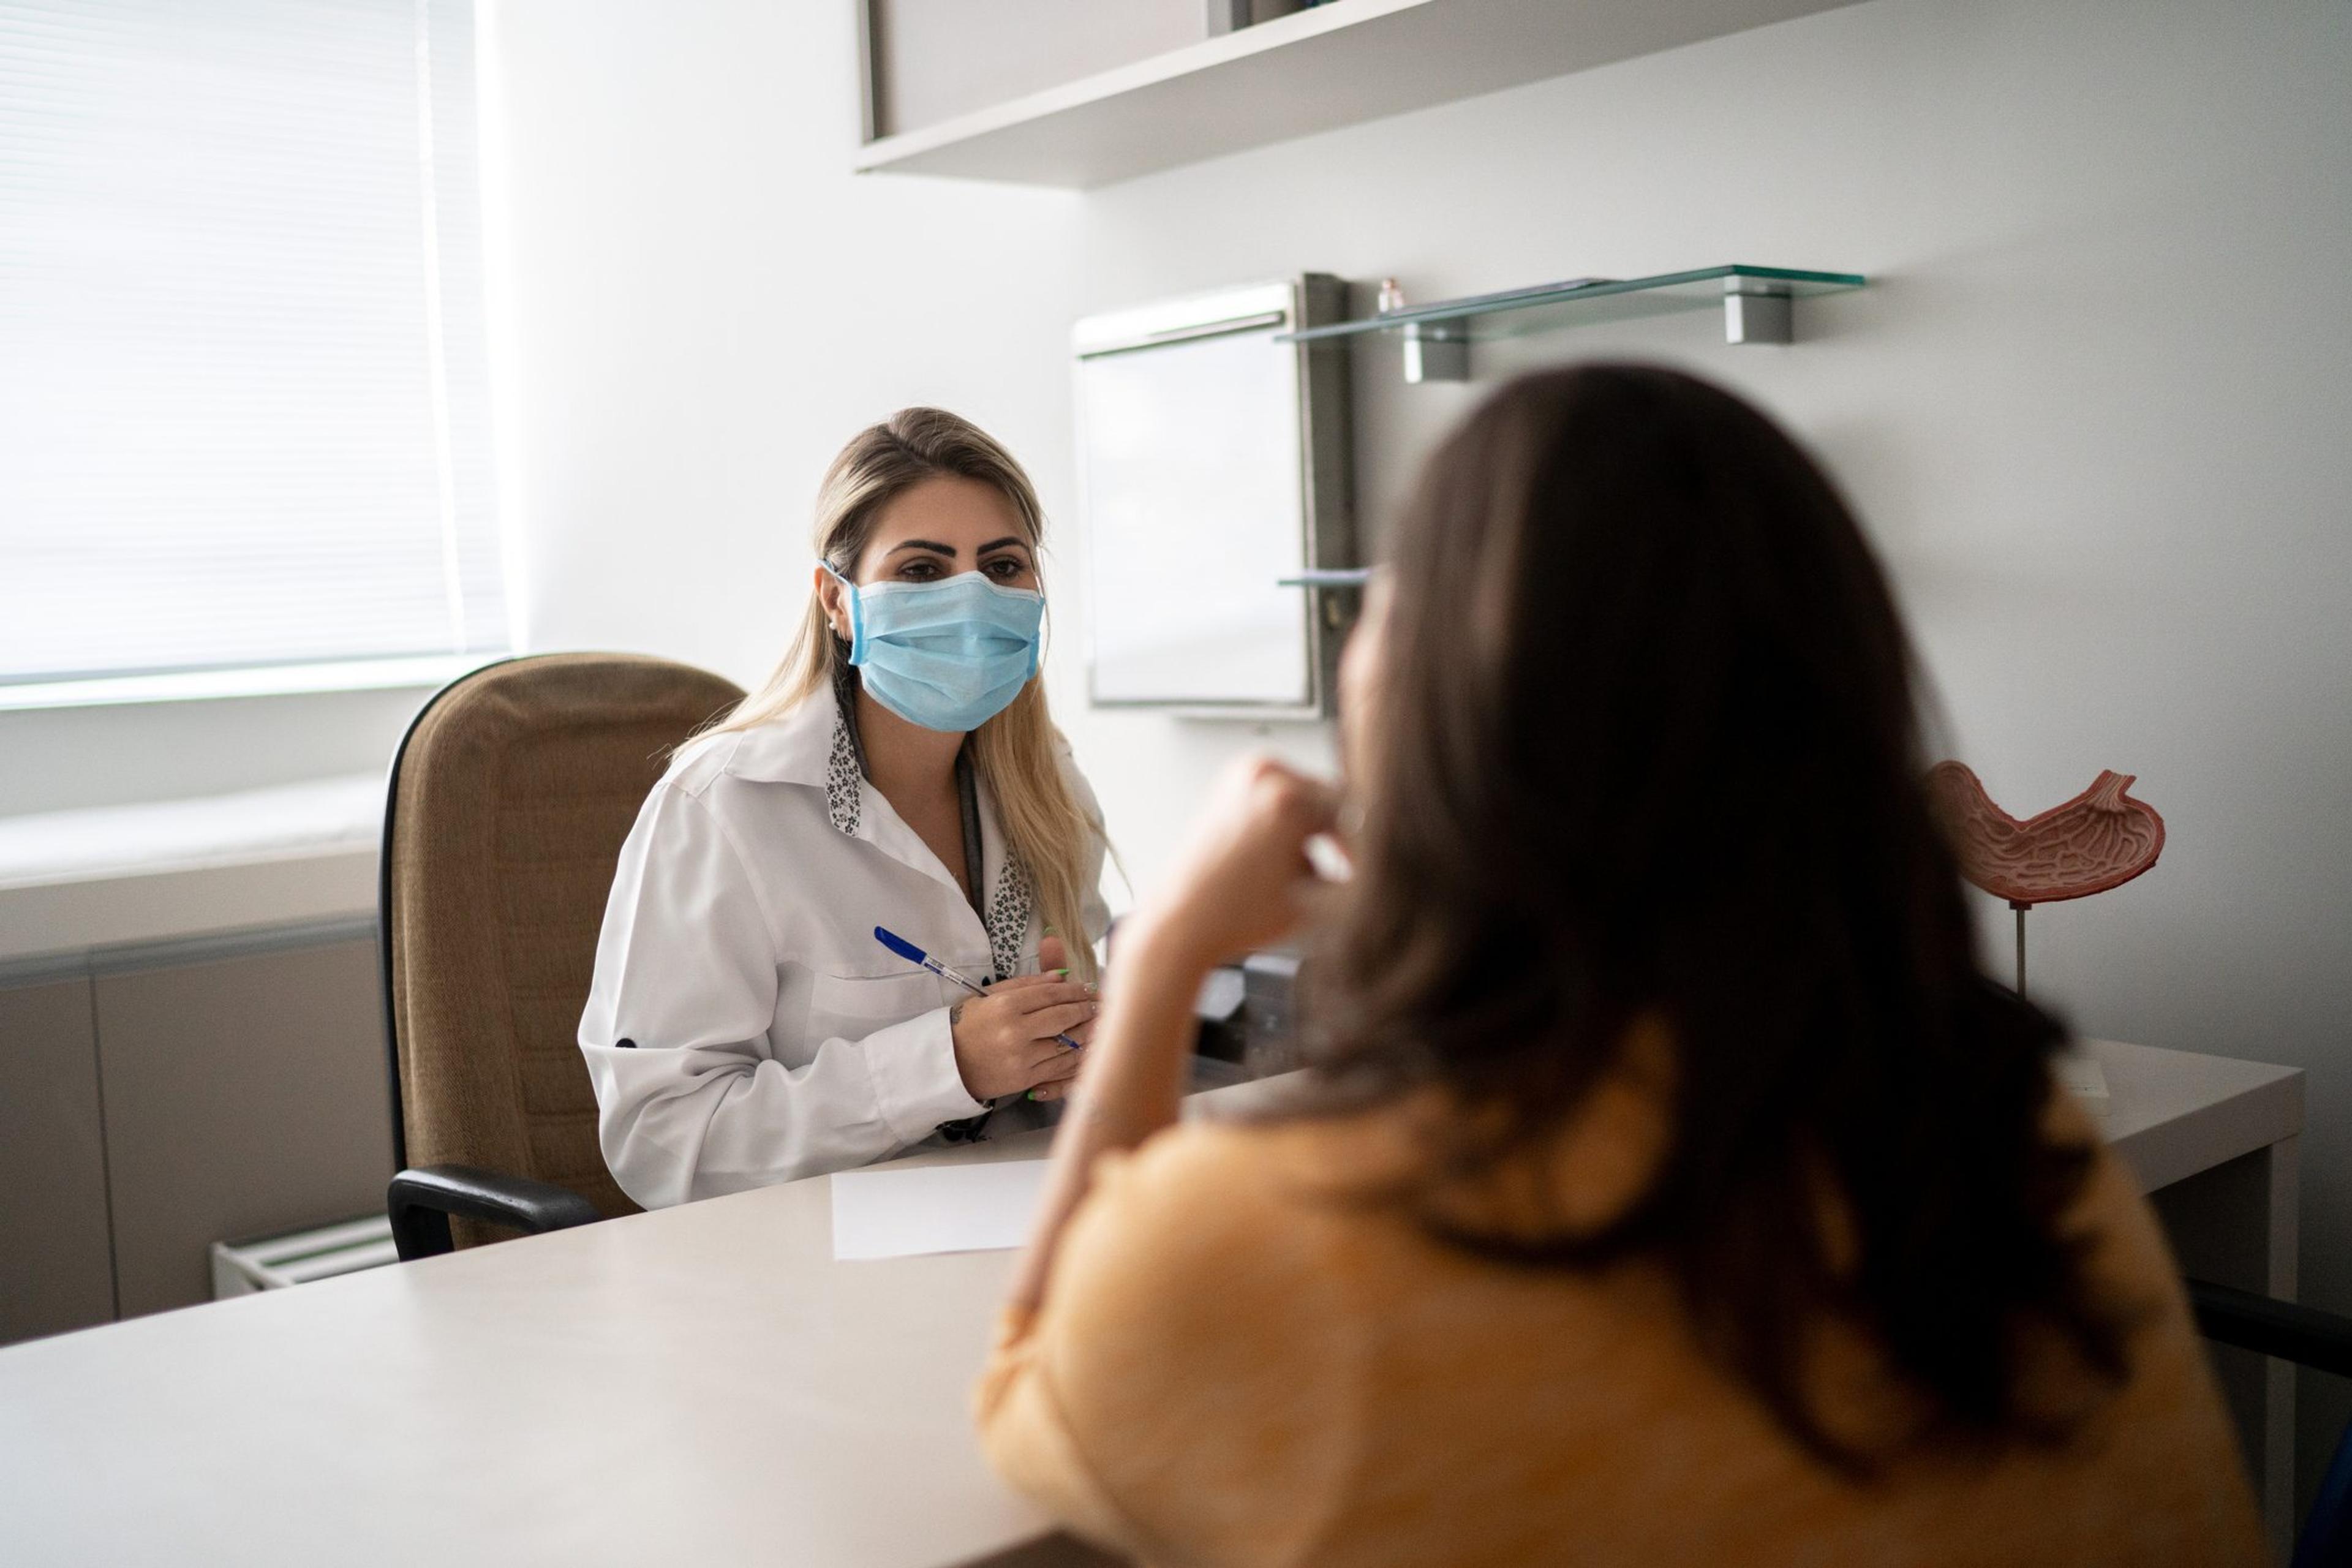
949	655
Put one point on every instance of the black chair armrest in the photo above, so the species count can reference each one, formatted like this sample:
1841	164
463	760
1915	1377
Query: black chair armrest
421	1200
2256	1322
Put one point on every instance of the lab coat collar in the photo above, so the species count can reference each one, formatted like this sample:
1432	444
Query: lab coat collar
810	745
796	746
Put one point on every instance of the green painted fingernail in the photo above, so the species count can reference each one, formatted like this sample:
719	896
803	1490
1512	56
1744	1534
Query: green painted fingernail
1033	1094
1063	972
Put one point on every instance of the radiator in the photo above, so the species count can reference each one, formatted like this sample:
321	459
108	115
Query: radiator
297	1257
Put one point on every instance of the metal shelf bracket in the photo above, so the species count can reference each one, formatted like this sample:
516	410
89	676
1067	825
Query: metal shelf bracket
1752	315
1436	350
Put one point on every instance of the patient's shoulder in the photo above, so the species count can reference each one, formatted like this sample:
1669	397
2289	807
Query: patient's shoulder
1191	1188
1201	1278
1261	1163
1222	1209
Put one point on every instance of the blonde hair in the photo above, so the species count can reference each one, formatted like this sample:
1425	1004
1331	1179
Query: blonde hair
1044	831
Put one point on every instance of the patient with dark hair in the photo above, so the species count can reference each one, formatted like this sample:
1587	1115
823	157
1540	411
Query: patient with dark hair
1669	1183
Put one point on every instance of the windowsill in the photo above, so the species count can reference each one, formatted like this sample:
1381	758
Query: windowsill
263	680
104	875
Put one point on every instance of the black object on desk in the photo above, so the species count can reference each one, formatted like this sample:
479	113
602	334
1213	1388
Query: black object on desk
1270	1007
1248	1013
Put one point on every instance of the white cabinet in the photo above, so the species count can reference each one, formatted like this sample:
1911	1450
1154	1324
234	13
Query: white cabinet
56	1272
154	1102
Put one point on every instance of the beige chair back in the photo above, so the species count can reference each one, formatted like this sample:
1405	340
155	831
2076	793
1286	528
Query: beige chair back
506	807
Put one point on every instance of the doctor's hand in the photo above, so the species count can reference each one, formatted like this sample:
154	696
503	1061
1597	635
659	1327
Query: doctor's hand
1004	1041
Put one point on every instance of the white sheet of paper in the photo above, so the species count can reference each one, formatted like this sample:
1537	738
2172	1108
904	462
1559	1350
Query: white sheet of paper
934	1208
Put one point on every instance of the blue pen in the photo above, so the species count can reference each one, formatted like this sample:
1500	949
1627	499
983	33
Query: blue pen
916	955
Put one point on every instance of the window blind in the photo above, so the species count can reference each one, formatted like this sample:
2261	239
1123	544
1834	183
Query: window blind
243	413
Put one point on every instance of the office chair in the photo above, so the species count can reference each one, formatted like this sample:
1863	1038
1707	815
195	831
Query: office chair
2308	1337
504	814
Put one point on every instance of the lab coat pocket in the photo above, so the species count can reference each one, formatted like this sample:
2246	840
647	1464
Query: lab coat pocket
851	1006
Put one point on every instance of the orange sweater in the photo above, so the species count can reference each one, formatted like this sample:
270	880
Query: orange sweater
1233	1367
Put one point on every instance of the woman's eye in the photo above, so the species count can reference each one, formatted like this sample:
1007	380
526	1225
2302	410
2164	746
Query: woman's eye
1004	568
918	572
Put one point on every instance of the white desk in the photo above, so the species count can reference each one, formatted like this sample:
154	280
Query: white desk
698	1386
2213	1141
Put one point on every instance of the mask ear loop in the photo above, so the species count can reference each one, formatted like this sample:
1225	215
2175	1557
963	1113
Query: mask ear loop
855	642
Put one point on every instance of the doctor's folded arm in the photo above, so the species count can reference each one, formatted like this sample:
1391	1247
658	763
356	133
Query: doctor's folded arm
899	770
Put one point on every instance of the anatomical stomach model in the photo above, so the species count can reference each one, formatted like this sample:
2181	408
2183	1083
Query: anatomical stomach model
2100	839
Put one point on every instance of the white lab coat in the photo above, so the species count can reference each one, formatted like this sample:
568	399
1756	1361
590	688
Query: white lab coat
744	1027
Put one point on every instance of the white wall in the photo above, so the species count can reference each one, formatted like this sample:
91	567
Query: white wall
2094	407
699	306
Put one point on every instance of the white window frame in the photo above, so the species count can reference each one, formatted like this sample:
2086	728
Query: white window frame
423	670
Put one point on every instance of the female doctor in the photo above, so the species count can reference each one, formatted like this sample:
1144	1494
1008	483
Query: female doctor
899	768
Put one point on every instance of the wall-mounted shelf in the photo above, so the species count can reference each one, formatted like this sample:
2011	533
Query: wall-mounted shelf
1333	64
1757	305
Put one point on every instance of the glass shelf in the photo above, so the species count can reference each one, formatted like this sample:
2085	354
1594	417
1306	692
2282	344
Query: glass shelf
1327	577
1755	302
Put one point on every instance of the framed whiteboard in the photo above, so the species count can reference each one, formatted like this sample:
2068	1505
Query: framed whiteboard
1213	463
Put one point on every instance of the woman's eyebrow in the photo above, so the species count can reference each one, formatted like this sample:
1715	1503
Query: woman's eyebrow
1015	541
932	545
